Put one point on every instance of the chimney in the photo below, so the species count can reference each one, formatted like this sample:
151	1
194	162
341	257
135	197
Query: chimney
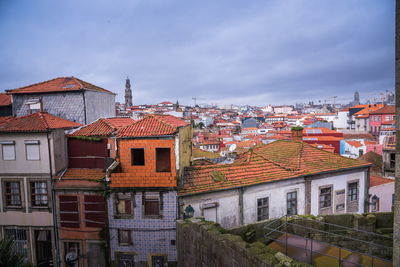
297	134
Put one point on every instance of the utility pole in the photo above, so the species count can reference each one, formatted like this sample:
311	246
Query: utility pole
396	226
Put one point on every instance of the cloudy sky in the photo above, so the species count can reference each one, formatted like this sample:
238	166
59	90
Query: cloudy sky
242	52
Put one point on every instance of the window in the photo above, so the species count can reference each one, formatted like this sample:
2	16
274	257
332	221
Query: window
392	161
360	152
20	240
163	159
8	150
69	211
375	203
39	196
262	209
72	247
152	205
32	150
13	194
137	155
124	204
352	192
125	237
158	261
95	211
291	200
325	197
387	117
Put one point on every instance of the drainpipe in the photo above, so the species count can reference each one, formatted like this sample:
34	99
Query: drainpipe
240	191
53	204
84	105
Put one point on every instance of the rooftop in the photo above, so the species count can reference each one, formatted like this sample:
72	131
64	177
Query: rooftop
152	125
62	84
37	122
276	161
5	100
103	127
378	180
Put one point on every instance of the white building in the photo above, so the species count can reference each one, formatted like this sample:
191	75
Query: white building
269	182
341	120
381	194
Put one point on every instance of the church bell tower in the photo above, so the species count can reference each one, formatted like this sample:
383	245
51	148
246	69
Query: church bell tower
128	93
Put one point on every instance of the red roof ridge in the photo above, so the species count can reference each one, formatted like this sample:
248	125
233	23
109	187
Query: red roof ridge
40	114
22	87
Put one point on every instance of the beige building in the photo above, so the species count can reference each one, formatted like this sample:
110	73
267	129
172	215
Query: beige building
32	151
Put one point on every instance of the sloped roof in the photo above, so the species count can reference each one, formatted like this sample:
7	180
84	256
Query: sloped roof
62	84
378	180
103	127
37	122
385	110
5	99
276	161
374	158
80	178
367	136
354	143
152	125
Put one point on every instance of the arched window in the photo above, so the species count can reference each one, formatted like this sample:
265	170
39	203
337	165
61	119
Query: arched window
375	203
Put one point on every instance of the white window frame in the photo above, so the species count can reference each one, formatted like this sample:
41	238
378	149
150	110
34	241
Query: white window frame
10	144
32	143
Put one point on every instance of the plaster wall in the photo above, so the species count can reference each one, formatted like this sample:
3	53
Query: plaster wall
385	193
338	182
99	105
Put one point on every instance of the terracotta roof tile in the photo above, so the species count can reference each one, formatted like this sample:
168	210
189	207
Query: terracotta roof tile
37	122
5	99
378	180
62	84
79	178
103	127
385	110
278	160
152	125
354	143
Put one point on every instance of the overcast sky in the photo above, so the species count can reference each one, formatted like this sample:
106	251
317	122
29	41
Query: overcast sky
241	52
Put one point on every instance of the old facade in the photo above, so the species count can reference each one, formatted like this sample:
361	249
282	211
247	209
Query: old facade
143	206
273	180
66	97
33	150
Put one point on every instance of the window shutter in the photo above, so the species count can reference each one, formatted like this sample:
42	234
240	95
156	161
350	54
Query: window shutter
69	211
95	207
8	151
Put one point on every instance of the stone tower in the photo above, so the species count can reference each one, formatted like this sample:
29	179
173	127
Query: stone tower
356	98
128	93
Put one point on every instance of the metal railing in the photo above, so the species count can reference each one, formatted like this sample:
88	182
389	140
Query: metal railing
287	232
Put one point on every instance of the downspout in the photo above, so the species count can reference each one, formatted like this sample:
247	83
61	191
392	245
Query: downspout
84	105
53	204
241	220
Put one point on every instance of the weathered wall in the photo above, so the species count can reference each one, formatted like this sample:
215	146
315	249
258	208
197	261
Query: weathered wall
201	243
385	193
68	106
99	105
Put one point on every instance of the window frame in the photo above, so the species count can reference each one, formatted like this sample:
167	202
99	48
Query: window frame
130	239
8	143
321	207
132	157
124	196
295	200
158	168
152	197
261	216
350	194
32	194
6	206
32	143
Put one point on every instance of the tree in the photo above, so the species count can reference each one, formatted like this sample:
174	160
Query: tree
9	255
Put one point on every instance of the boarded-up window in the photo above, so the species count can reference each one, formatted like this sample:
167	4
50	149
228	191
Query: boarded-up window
69	211
95	211
163	159
151	203
137	155
124	237
124	204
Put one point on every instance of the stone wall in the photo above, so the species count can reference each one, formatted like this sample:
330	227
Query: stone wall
202	243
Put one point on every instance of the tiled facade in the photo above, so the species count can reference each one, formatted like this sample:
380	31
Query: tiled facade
149	236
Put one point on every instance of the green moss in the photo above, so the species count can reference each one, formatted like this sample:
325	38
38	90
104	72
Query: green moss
218	176
297	128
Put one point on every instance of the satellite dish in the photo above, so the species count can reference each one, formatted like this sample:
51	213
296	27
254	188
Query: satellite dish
71	257
232	148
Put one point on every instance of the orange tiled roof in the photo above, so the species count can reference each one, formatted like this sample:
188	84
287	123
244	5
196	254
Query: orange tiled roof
80	178
378	180
152	125
5	99
385	110
354	143
37	122
6	118
368	109
103	127
62	84
276	161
